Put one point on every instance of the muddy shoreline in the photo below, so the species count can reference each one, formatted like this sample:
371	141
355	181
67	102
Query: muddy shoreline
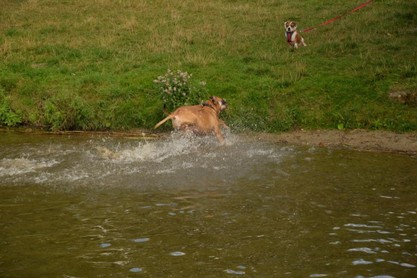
361	140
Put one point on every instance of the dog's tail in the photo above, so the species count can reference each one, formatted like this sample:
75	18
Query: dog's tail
163	121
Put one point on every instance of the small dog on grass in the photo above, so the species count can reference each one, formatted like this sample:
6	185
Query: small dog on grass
294	39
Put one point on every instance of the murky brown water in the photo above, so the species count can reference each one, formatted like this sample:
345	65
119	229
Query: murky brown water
184	207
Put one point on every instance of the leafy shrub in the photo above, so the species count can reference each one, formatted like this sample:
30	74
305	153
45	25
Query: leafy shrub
67	112
7	116
176	89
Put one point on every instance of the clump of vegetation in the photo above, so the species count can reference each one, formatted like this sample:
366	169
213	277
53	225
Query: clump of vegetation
404	97
67	112
7	116
176	89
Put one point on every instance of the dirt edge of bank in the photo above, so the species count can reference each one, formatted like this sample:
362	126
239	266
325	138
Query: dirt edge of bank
362	140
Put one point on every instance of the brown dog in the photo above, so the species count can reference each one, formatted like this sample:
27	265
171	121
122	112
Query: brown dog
294	39
200	119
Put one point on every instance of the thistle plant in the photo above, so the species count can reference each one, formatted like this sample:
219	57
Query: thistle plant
176	89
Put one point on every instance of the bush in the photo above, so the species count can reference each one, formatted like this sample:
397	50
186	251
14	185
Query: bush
176	89
7	116
67	112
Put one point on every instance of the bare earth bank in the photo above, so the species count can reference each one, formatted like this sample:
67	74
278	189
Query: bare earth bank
363	140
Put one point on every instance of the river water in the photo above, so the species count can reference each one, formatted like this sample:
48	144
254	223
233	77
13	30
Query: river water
96	206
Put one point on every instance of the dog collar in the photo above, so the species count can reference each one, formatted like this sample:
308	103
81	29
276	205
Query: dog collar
289	35
209	105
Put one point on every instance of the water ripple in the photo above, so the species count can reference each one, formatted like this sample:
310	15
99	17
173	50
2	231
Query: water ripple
235	272
363	249
177	254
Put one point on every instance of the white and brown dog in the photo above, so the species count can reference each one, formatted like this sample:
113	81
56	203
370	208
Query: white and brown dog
200	119
294	39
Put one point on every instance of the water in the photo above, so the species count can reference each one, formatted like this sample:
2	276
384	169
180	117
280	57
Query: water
88	206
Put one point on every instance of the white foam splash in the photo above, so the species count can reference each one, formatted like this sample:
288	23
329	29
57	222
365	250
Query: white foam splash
155	151
175	160
18	166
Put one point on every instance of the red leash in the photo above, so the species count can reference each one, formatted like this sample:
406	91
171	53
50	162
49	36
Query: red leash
338	17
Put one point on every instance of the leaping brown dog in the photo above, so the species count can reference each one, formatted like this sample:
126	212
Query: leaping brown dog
200	119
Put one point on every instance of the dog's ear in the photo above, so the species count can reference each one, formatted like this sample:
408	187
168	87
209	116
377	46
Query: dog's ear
213	99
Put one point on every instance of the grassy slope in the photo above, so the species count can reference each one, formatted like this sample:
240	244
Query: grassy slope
76	64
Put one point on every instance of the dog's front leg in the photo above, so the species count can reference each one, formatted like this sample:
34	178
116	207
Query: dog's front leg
303	43
219	135
223	124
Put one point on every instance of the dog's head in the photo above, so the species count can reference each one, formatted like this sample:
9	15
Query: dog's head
217	103
290	26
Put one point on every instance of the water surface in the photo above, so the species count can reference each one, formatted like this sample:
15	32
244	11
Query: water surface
96	206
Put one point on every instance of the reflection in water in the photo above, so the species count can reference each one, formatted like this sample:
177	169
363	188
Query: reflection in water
185	207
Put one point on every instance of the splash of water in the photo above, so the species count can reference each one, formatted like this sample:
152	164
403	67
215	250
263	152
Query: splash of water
115	162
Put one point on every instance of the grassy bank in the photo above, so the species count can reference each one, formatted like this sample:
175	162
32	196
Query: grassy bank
90	65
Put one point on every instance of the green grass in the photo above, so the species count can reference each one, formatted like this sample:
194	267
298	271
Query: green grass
90	65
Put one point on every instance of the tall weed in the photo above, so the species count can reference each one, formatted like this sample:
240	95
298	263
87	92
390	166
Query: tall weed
176	89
